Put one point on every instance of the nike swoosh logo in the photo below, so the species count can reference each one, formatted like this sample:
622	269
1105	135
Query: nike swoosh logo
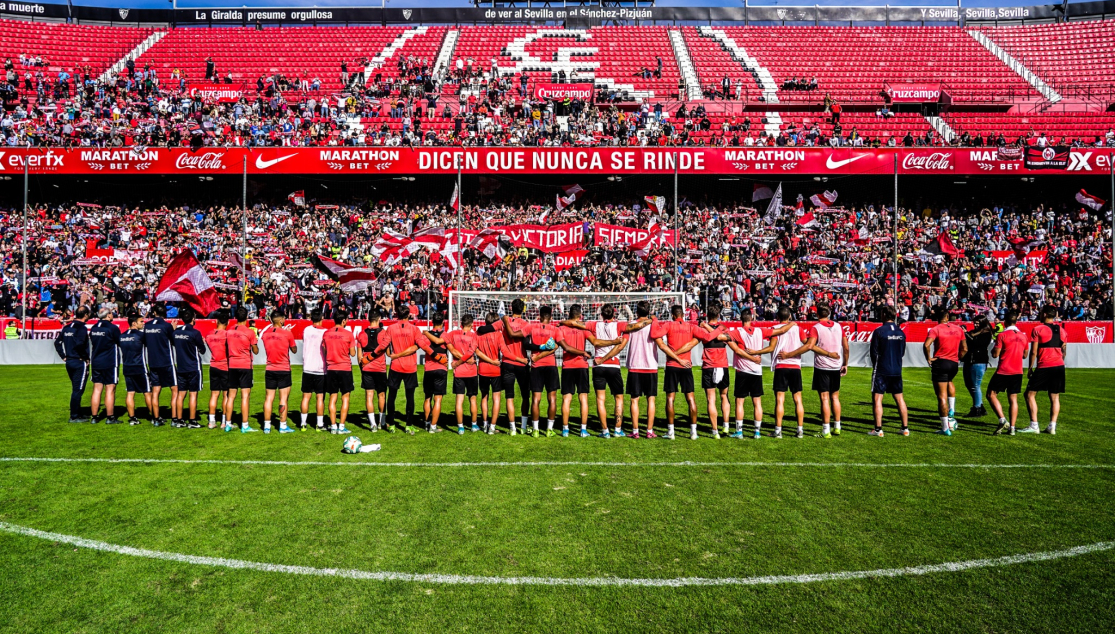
262	164
831	164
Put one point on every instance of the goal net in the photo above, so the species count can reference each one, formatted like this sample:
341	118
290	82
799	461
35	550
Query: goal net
480	303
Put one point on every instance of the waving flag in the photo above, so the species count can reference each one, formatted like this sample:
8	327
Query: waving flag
185	281
572	192
351	279
941	245
297	198
656	235
825	200
761	192
774	209
455	200
807	221
390	246
658	203
489	242
1084	198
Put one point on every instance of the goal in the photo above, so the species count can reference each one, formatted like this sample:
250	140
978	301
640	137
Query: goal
479	303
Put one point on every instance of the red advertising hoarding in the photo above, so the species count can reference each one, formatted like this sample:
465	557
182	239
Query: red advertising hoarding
223	93
913	92
559	92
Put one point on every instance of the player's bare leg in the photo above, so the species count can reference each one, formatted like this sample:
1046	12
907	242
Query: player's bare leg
713	414
268	402
553	411
799	410
650	416
634	416
535	409
495	412
779	412
1054	412
691	400
566	401
826	411
95	401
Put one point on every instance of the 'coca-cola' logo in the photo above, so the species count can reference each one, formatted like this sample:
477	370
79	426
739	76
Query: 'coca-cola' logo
204	161
934	161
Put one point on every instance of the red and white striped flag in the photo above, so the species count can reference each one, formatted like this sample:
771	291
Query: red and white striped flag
455	201
806	220
351	279
658	203
185	281
1084	198
656	235
489	243
824	200
572	192
298	198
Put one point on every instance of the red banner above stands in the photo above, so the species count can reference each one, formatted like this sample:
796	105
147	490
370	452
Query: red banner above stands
1033	257
913	93
569	259
579	161
613	235
559	92
222	93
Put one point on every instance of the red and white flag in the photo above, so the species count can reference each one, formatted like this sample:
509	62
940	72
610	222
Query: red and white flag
657	203
656	235
1084	198
807	221
185	281
761	192
390	246
455	201
572	192
431	238
351	279
450	250
236	259
489	242
297	198
825	200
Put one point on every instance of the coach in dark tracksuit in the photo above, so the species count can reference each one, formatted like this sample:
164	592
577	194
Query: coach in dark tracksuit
189	345
104	342
157	335
72	346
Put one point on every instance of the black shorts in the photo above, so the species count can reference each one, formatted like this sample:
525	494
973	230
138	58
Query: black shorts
487	384
107	376
435	382
374	381
886	384
137	381
608	376
544	379
240	378
408	380
162	377
679	380
642	384
512	374
1050	380
709	382
189	381
574	381
787	380
277	379
468	385
311	383
338	381
748	385
826	380
944	371
1009	383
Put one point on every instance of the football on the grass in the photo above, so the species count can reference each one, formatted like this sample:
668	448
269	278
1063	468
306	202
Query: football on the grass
352	445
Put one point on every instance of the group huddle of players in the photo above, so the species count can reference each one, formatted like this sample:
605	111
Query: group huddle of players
489	361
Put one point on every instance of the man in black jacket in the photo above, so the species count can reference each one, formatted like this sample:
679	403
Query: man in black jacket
72	346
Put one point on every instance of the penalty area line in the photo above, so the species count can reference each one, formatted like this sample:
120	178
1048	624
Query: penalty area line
559	463
238	564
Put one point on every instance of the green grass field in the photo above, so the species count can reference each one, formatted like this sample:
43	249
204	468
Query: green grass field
600	510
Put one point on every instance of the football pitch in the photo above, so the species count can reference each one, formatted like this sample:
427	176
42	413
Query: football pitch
143	529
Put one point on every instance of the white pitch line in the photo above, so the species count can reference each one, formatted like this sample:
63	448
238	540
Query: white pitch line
954	566
441	465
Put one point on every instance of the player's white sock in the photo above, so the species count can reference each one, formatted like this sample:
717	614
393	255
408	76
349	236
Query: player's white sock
952	405
304	417
670	429
693	429
584	426
825	429
836	425
512	423
1033	424
535	424
1002	421
243	425
212	419
371	419
944	423
1052	427
550	424
524	424
739	424
332	426
382	419
758	424
801	429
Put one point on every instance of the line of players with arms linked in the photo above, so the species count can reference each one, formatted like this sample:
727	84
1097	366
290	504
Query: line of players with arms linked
489	361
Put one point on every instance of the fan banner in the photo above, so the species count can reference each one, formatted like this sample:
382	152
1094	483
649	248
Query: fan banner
559	92
545	238
914	93
613	235
569	259
579	161
1077	331
1033	257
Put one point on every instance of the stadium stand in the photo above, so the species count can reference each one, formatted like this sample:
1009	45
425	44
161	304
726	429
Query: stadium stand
55	47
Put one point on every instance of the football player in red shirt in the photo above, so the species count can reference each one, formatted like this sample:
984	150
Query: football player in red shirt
373	368
404	339
944	345
1047	349
435	372
340	347
490	380
218	371
279	343
242	343
1010	347
574	368
681	337
464	345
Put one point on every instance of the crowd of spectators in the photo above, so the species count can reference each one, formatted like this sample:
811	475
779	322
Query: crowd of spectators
726	252
465	106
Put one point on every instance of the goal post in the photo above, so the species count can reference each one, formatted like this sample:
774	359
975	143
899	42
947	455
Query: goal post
480	303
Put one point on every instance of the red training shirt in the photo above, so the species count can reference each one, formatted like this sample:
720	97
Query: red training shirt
338	344
240	341
948	337
278	343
